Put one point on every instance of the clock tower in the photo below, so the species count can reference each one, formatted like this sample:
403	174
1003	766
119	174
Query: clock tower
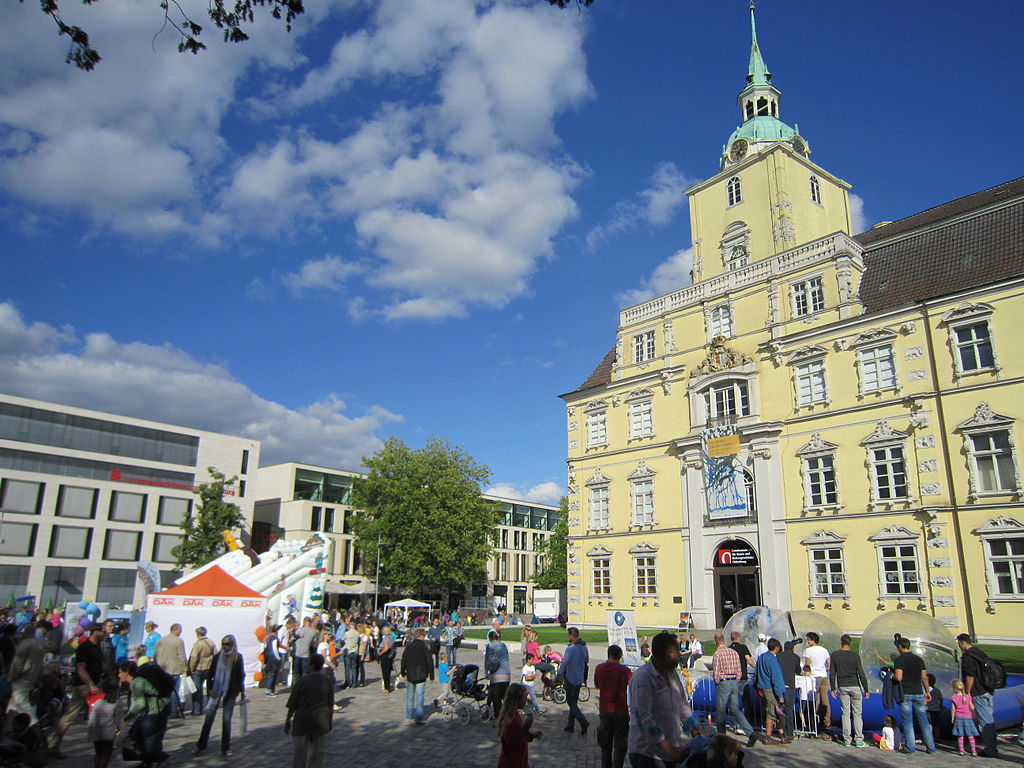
768	196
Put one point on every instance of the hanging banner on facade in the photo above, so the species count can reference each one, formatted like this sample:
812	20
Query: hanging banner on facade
622	632
723	473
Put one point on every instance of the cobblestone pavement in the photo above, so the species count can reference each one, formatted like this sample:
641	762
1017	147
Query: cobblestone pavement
373	732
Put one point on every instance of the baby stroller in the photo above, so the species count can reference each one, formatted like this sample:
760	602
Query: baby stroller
470	696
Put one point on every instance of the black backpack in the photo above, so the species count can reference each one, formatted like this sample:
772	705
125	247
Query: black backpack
991	673
152	673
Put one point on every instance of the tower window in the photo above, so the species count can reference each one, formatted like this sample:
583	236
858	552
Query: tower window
763	107
733	191
749	109
815	190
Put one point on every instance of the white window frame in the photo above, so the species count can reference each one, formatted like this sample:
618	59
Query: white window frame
643	347
809	382
961	318
601	576
1007	529
645	558
733	191
898	537
984	422
871	361
816	449
820	545
740	399
641	417
598	502
892	459
807	296
887	439
597	424
750	492
641	494
815	189
720	322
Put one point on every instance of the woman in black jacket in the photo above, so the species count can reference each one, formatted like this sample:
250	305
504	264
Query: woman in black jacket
224	686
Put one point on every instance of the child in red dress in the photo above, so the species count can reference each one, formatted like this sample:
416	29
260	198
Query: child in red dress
514	730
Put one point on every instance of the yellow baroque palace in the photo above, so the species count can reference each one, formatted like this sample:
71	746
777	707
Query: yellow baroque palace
821	420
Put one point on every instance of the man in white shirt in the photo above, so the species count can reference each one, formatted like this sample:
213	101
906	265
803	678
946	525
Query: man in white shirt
658	707
762	646
819	660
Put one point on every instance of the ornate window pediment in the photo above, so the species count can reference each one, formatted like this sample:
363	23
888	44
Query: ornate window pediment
720	358
823	538
984	416
639	394
599	552
817	445
967	312
596	405
893	533
1000	525
598	478
809	352
642	471
873	336
884	433
643	548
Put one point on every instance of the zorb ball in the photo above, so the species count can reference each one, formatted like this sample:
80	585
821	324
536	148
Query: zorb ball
929	639
750	622
793	625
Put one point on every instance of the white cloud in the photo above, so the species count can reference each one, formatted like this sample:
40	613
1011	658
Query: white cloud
860	222
654	205
670	275
164	383
544	493
329	274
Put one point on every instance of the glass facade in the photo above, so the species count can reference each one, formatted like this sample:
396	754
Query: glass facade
64	430
61	584
116	586
526	516
321	486
17	539
77	502
65	466
20	496
13	579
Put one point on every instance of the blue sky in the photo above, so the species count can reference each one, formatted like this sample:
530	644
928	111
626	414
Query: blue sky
420	217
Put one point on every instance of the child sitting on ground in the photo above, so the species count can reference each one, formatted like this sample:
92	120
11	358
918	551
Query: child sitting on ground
890	737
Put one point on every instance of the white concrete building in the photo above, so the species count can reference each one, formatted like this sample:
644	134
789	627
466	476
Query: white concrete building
86	495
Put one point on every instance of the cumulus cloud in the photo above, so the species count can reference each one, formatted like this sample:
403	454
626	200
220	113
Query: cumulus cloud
543	493
329	274
670	275
654	205
860	221
163	383
429	133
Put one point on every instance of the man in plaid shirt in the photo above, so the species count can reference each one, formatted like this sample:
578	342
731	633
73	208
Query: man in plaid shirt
725	666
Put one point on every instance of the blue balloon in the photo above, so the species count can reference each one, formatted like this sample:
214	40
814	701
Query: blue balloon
93	608
83	604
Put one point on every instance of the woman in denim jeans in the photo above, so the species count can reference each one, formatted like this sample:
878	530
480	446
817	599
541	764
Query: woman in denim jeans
224	686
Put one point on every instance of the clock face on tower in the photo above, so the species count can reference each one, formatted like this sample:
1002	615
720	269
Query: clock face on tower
738	150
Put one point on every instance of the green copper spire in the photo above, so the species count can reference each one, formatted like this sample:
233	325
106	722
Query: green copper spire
757	73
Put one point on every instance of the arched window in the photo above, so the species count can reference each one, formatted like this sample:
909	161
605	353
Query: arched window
815	190
748	488
720	322
733	191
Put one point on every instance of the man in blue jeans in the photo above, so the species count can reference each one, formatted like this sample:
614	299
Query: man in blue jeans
972	660
574	670
727	668
417	666
912	674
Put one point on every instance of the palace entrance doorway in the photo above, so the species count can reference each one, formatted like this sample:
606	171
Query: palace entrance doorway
737	578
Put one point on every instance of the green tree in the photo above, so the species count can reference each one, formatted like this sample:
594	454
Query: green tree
554	549
204	527
423	509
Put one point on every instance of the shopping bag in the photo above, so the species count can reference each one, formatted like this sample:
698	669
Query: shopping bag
186	687
244	708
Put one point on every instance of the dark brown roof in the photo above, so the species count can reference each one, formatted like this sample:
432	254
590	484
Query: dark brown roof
602	374
944	258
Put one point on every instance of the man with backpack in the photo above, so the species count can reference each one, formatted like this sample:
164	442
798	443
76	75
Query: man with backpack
981	676
85	679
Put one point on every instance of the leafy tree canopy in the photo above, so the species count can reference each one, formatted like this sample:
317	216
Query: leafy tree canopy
228	16
434	529
554	550
204	527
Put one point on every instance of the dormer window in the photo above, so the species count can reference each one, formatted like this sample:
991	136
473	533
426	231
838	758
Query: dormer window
733	191
749	110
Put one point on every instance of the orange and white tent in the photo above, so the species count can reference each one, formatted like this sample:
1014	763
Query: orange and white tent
218	601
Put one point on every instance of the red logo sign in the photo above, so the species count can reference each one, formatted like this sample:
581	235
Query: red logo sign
163	601
251	604
223	603
725	557
194	601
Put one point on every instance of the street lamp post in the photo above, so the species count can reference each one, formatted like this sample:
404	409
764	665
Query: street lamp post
376	579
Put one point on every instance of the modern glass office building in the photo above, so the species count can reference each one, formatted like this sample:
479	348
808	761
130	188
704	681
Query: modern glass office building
85	496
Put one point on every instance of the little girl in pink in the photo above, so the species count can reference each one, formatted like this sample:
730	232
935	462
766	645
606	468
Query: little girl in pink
962	712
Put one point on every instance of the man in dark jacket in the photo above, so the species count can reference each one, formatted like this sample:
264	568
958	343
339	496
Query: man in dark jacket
225	685
309	715
417	666
971	662
850	685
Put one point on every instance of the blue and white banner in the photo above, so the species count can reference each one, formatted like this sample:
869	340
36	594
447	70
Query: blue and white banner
723	473
622	632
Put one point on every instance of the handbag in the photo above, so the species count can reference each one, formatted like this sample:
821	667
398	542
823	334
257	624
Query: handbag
188	686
